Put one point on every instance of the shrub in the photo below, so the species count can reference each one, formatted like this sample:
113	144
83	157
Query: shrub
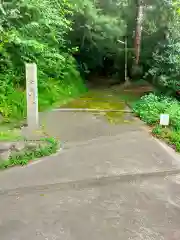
35	31
174	137
166	62
149	108
157	131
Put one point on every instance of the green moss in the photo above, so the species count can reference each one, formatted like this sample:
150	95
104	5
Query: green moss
101	100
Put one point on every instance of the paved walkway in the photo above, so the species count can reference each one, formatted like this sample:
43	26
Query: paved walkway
109	182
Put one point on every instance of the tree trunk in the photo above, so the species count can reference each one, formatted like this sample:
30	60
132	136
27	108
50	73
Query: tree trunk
138	32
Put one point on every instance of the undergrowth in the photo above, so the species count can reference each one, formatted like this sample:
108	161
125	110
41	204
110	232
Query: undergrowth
35	32
10	135
31	153
51	91
149	108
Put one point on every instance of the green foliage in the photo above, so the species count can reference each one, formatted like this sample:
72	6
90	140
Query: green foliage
10	135
12	99
149	108
163	42
97	27
51	32
171	136
174	137
157	130
165	70
29	154
35	31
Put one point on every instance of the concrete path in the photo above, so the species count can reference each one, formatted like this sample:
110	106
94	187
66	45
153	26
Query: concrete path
108	182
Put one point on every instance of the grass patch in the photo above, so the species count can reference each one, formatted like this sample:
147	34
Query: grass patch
31	153
10	135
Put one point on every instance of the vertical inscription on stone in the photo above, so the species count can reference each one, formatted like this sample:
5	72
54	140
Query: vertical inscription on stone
32	96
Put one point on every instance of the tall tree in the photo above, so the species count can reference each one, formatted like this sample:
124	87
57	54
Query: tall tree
138	31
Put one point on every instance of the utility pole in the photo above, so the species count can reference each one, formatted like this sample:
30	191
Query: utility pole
125	60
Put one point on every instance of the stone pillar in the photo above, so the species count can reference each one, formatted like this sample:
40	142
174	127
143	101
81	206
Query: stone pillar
32	97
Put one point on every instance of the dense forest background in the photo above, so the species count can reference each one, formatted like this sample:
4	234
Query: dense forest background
73	42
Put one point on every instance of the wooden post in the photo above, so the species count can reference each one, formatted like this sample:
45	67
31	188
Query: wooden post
32	97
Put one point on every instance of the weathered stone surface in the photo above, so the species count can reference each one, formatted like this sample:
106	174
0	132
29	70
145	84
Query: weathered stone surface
128	115
32	135
8	149
32	145
4	156
18	146
4	146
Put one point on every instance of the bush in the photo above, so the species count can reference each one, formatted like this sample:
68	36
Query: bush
35	31
149	108
157	130
165	65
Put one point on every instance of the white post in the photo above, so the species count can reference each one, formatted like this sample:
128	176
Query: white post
126	60
32	96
